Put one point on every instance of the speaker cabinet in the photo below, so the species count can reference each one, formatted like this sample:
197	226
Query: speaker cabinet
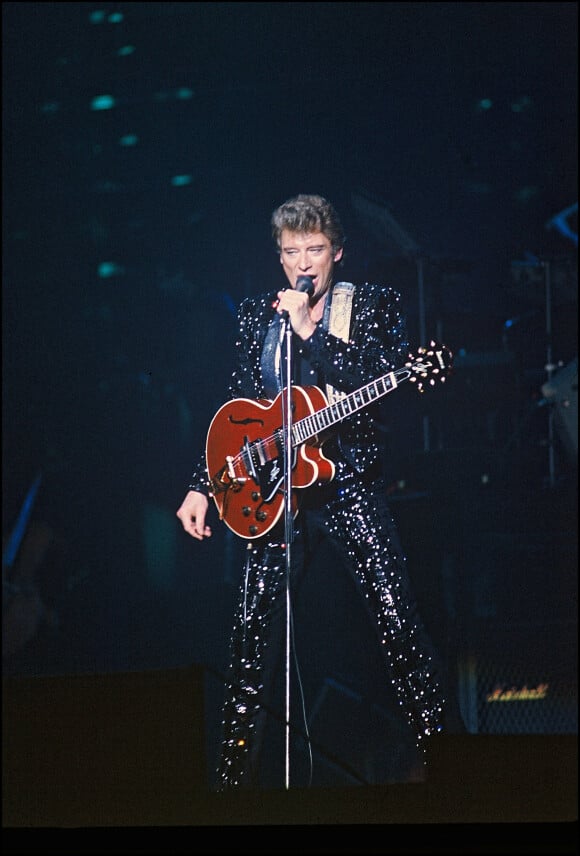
520	681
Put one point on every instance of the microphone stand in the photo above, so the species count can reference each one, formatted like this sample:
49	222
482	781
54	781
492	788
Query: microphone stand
288	519
305	284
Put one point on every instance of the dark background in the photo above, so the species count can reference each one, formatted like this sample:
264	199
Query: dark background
446	136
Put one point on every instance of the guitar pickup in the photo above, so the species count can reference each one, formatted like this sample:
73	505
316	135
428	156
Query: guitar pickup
248	460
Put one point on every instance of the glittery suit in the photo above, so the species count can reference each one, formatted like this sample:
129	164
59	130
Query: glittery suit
351	511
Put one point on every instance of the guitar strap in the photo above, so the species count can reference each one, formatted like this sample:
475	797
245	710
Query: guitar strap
336	320
271	356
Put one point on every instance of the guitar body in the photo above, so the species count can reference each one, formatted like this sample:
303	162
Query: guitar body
245	460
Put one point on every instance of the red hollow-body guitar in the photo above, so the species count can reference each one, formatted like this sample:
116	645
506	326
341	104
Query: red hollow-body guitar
245	442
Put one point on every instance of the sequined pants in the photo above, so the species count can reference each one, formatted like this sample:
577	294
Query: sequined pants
359	524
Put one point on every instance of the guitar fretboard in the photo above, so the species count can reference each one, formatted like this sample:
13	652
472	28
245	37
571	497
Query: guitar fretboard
312	425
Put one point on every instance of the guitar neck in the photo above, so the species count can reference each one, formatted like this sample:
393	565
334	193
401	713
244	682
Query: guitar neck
310	426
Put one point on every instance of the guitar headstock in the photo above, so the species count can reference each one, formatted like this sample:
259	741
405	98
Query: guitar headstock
430	366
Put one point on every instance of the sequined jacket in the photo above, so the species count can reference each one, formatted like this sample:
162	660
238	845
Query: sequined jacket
377	345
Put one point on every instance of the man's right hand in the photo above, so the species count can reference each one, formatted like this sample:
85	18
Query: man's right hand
192	513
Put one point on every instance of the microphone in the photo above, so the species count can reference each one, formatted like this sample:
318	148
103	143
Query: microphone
304	283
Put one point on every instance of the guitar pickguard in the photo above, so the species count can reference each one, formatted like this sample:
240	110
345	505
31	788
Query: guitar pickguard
271	477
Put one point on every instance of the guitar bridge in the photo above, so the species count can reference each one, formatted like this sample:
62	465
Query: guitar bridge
226	478
238	481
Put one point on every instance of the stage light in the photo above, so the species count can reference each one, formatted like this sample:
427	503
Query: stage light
108	269
484	104
523	103
181	180
102	102
184	93
50	107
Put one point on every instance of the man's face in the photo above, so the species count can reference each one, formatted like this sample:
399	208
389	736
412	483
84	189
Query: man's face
308	254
